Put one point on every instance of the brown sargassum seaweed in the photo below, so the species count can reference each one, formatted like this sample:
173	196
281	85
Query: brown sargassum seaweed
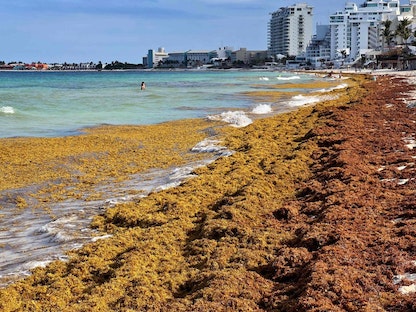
308	214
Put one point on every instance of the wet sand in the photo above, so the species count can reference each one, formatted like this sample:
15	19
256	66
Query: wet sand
313	212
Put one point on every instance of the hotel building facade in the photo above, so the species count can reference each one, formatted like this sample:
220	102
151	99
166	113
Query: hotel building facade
357	29
290	30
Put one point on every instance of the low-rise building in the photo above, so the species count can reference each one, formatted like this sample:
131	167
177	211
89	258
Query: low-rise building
155	58
249	57
198	58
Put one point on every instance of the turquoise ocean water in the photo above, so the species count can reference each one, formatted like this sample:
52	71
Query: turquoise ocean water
46	104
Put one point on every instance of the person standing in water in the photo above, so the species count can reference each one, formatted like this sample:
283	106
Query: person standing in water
142	86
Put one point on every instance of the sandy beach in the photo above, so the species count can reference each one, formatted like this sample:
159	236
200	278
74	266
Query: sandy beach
314	211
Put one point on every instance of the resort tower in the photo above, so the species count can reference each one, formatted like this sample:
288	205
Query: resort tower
290	30
357	30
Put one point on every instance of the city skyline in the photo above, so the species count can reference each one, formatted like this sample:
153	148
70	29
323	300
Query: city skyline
79	31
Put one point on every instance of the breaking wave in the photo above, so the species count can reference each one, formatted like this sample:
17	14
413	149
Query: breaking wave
288	78
236	119
338	87
211	146
262	109
7	110
300	100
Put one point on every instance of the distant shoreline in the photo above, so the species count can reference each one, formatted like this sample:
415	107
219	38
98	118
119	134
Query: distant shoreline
149	70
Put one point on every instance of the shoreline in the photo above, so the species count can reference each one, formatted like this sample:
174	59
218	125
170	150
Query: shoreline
98	168
241	233
115	144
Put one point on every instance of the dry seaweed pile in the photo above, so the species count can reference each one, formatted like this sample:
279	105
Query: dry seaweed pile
354	221
313	212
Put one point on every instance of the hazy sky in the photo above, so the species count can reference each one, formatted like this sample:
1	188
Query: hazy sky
123	30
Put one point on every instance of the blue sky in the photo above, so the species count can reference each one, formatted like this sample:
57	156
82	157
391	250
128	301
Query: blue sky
123	30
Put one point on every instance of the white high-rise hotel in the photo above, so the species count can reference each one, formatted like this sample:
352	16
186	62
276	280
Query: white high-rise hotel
290	30
357	29
354	31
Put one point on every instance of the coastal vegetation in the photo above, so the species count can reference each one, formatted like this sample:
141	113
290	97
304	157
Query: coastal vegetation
121	66
115	65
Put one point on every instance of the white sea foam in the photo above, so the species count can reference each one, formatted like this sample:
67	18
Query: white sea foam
176	177
236	119
338	87
181	173
300	100
97	238
341	86
264	78
58	230
7	110
211	146
22	270
115	201
262	109
35	264
288	78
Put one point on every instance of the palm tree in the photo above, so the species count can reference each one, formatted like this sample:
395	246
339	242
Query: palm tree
403	31
387	33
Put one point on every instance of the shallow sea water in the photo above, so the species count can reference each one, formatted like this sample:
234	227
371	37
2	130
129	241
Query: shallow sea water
60	103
